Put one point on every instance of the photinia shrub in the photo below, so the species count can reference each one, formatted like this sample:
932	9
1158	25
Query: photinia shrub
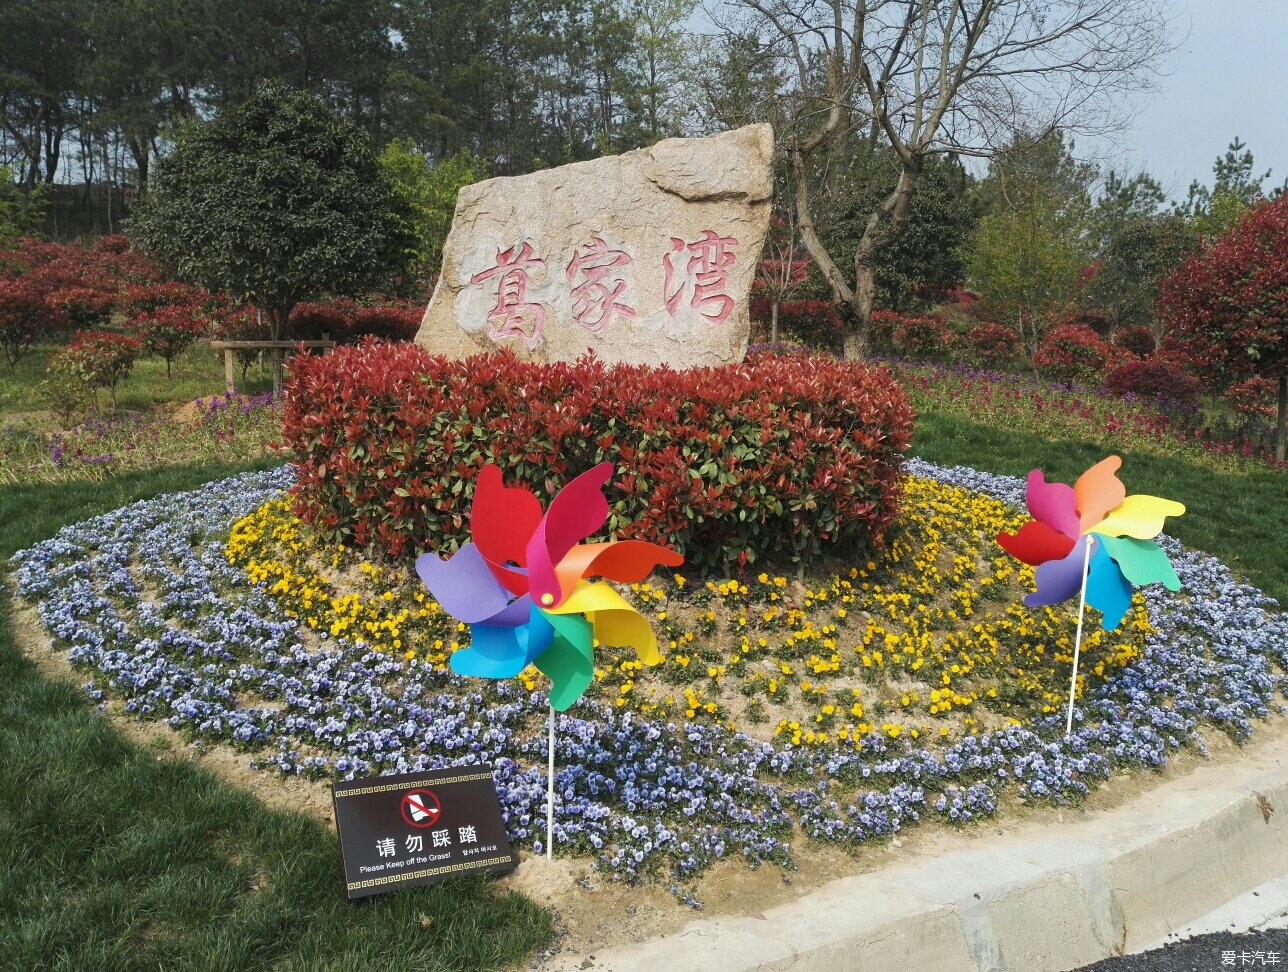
101	359
1136	340
921	337
989	344
390	322
168	331
1074	352
813	322
1253	397
25	317
778	458
1228	304
1156	378
311	319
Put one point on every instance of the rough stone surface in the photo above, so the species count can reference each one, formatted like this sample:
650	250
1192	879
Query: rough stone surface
644	258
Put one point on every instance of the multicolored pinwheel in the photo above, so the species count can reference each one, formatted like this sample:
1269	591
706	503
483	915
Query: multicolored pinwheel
520	584
1120	545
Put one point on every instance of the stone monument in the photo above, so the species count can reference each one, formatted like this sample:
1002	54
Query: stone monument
644	258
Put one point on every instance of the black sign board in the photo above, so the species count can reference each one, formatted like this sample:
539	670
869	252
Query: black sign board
399	831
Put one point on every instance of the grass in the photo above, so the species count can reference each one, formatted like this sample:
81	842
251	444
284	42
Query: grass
112	858
1240	518
198	372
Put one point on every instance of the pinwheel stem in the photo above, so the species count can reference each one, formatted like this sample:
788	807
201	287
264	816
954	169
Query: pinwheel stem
550	791
1077	640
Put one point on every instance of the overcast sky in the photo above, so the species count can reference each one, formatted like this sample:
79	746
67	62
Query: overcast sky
1228	77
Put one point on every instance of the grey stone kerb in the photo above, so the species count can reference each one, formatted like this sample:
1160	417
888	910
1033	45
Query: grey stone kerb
643	258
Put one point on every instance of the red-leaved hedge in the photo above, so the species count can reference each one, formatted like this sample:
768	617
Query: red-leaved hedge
777	458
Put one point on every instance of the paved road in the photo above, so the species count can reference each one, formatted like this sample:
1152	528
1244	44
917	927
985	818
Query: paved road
1207	953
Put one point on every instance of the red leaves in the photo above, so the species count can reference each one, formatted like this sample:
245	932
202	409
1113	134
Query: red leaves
1229	303
708	460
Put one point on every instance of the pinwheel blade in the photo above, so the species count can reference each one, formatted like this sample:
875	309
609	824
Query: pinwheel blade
1142	562
1097	491
496	652
616	623
463	585
502	519
1139	516
569	661
577	511
1053	504
1035	543
1058	580
626	561
1107	590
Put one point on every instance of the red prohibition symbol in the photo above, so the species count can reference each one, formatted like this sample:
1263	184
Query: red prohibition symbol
420	808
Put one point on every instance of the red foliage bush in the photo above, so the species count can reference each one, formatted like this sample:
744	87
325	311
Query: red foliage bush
1255	397
168	331
881	327
136	299
1155	378
1228	304
100	358
991	345
25	317
1074	352
390	322
921	337
1137	340
312	319
813	322
777	458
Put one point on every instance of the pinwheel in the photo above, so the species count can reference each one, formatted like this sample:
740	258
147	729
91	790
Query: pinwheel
1095	539
521	586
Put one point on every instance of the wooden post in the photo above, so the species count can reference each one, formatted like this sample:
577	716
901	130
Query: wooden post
277	372
229	373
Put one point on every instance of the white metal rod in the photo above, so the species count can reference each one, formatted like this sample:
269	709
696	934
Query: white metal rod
1077	641
550	791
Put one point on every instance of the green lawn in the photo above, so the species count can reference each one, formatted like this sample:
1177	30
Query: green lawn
111	858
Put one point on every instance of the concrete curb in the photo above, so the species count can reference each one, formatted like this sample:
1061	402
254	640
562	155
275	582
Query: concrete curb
1060	896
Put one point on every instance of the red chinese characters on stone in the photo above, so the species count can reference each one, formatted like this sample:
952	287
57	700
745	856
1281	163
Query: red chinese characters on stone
598	296
706	271
514	315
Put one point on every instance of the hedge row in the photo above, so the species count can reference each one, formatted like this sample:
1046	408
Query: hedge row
779	458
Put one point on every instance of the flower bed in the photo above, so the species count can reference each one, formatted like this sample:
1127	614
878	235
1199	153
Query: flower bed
156	603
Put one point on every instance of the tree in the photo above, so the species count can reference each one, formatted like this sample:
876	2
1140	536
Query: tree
428	192
1132	260
1029	255
928	77
1234	189
1229	304
276	202
926	257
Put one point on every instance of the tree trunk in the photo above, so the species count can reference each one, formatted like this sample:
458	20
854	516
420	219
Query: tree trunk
1280	433
773	321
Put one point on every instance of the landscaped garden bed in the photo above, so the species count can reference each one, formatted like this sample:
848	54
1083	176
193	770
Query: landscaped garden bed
218	613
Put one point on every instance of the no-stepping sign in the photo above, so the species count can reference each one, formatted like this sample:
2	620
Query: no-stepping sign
417	828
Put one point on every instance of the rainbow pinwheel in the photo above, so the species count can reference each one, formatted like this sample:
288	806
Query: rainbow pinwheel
521	584
1121	551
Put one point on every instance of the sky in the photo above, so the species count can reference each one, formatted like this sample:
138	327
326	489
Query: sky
1228	77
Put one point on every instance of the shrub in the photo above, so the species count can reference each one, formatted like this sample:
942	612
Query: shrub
100	358
1254	397
1137	340
1074	352
813	322
168	332
1154	379
25	317
921	337
781	457
390	322
991	345
310	320
881	327
139	299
